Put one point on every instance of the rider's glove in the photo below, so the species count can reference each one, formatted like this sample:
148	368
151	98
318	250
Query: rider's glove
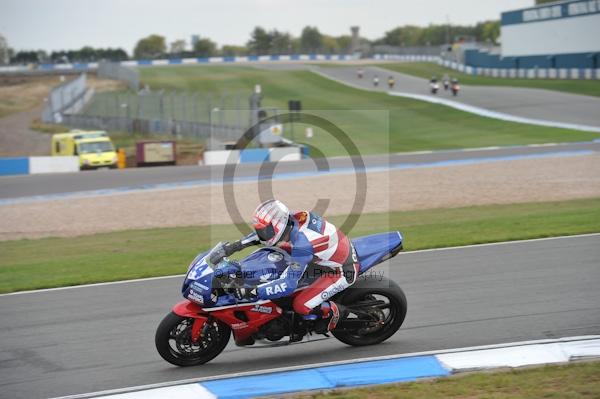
246	293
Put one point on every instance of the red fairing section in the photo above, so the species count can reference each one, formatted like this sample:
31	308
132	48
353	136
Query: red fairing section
256	314
187	308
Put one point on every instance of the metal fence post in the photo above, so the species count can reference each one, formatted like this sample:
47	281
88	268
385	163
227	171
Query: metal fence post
239	111
194	106
173	105
161	105
184	98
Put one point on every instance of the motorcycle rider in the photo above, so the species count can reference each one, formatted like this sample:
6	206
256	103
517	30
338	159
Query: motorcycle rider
433	85
391	82
446	81
310	240
455	86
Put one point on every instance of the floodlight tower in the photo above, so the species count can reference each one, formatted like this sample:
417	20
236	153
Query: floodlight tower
355	39
4	55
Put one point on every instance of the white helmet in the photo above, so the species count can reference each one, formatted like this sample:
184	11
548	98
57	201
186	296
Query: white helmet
270	220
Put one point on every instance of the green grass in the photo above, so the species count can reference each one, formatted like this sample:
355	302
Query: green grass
376	122
572	381
55	262
429	69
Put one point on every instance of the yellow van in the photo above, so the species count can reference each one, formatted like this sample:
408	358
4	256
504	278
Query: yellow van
94	148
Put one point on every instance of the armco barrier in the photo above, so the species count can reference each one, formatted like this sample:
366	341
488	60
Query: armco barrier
582	73
253	155
35	165
503	72
181	61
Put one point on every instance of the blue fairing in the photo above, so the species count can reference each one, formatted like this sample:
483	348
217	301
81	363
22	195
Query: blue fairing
267	264
264	265
261	266
198	282
372	249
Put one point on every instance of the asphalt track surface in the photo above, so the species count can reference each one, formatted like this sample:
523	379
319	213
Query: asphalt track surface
95	338
523	102
60	183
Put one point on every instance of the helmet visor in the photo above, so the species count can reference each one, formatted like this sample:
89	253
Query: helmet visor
265	233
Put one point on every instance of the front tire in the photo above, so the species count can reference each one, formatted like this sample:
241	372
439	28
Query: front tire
174	342
390	316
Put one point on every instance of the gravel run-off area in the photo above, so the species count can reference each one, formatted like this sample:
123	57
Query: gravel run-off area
502	182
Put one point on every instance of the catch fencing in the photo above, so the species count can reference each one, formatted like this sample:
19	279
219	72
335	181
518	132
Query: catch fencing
215	119
68	97
116	71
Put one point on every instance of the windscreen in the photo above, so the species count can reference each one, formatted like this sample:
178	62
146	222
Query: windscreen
98	146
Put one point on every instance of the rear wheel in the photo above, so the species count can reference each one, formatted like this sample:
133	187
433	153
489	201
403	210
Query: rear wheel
174	340
386	315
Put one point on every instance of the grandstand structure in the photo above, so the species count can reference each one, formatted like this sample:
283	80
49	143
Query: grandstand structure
562	34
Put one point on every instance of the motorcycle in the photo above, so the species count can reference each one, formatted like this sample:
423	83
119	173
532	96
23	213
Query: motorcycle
435	86
195	332
455	89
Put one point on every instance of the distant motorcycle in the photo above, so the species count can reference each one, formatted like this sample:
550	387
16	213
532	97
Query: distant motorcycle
435	87
375	81
446	85
391	82
455	88
195	332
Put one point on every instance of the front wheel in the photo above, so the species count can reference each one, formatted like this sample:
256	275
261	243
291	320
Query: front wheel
174	340
386	312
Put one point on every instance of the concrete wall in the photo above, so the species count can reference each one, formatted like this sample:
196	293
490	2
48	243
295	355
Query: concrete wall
53	164
35	165
253	155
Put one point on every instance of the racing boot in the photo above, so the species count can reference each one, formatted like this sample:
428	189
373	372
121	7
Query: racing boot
331	314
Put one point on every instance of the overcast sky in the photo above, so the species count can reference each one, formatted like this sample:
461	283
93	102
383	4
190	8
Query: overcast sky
72	24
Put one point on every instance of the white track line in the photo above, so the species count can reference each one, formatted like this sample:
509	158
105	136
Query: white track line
494	114
403	254
326	364
70	287
498	243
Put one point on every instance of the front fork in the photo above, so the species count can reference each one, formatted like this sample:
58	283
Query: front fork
187	308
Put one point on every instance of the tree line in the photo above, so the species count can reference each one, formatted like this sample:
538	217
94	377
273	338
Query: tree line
261	42
268	42
85	54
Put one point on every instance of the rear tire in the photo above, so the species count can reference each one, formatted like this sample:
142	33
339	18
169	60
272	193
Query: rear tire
174	344
388	291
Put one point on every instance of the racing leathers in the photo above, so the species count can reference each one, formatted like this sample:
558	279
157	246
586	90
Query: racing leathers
320	252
